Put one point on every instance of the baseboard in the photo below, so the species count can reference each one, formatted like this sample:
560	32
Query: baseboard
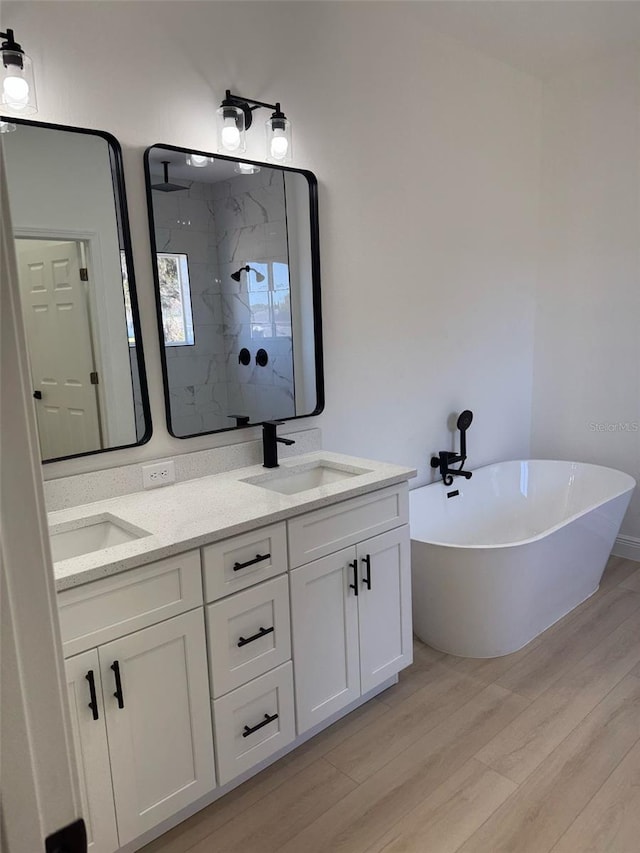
627	547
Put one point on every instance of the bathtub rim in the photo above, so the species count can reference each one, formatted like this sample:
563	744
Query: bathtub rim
563	523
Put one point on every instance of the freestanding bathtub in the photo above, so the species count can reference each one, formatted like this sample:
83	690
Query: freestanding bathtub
519	546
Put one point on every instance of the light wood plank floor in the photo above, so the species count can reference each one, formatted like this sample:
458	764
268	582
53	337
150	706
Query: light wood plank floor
535	752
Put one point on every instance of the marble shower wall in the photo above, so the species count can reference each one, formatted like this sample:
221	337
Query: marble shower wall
185	223
251	228
221	227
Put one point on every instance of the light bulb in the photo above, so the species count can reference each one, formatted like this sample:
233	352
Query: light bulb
16	91
246	168
197	160
279	145
230	135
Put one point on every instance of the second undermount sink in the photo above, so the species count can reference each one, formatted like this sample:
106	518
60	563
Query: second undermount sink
293	479
94	533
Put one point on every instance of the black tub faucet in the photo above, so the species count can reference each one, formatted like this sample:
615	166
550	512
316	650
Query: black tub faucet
270	439
445	458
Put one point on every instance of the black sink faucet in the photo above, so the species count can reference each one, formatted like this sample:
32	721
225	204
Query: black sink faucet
445	458
270	439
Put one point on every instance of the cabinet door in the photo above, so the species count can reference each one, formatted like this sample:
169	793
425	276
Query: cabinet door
384	606
92	754
324	614
160	740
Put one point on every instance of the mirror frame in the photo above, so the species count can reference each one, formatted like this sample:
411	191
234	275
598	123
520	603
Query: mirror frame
122	218
315	282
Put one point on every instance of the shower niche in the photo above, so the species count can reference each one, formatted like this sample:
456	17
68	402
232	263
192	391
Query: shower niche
236	264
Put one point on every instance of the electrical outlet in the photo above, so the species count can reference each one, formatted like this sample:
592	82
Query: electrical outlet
160	474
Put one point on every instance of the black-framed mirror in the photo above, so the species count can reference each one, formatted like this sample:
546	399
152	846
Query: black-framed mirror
75	269
237	271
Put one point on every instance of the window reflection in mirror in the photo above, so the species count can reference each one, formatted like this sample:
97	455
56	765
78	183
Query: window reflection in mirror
248	245
68	214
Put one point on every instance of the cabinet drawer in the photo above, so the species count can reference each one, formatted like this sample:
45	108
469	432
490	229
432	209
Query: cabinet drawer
249	634
242	561
106	609
326	530
246	727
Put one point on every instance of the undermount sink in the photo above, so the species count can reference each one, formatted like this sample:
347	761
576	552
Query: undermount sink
94	533
293	479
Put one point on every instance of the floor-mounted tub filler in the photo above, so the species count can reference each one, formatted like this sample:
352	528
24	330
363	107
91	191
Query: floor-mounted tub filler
499	558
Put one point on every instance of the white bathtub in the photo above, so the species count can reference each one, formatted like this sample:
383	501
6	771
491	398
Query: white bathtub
521	545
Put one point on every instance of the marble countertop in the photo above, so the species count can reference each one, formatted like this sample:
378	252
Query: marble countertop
197	512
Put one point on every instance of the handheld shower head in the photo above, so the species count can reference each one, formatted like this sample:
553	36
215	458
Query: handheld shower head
463	424
464	420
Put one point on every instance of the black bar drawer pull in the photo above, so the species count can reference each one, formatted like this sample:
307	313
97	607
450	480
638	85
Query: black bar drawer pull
261	633
115	666
257	559
354	585
366	579
92	690
249	730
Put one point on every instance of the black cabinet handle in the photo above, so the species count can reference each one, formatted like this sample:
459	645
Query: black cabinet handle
249	730
115	666
37	395
354	585
92	691
258	559
262	632
366	579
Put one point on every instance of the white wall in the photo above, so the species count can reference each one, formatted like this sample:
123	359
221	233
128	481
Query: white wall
427	158
586	403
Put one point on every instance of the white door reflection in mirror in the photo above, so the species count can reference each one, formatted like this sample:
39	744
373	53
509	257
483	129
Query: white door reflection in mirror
56	315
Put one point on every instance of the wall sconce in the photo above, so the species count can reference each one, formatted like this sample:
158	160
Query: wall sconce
18	91
235	116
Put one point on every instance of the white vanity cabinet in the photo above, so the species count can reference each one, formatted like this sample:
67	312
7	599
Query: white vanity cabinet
351	609
146	751
189	673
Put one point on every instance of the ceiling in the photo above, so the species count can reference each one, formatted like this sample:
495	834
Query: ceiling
541	37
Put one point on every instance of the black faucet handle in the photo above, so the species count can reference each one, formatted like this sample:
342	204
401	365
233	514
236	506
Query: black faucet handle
272	423
286	441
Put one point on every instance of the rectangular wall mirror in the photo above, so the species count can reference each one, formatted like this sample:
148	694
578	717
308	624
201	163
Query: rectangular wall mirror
75	271
236	260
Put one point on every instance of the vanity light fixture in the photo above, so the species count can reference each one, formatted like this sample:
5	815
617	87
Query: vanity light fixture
18	92
198	161
235	116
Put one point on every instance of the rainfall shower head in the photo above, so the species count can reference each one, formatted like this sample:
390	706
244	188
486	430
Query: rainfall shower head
236	275
166	186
